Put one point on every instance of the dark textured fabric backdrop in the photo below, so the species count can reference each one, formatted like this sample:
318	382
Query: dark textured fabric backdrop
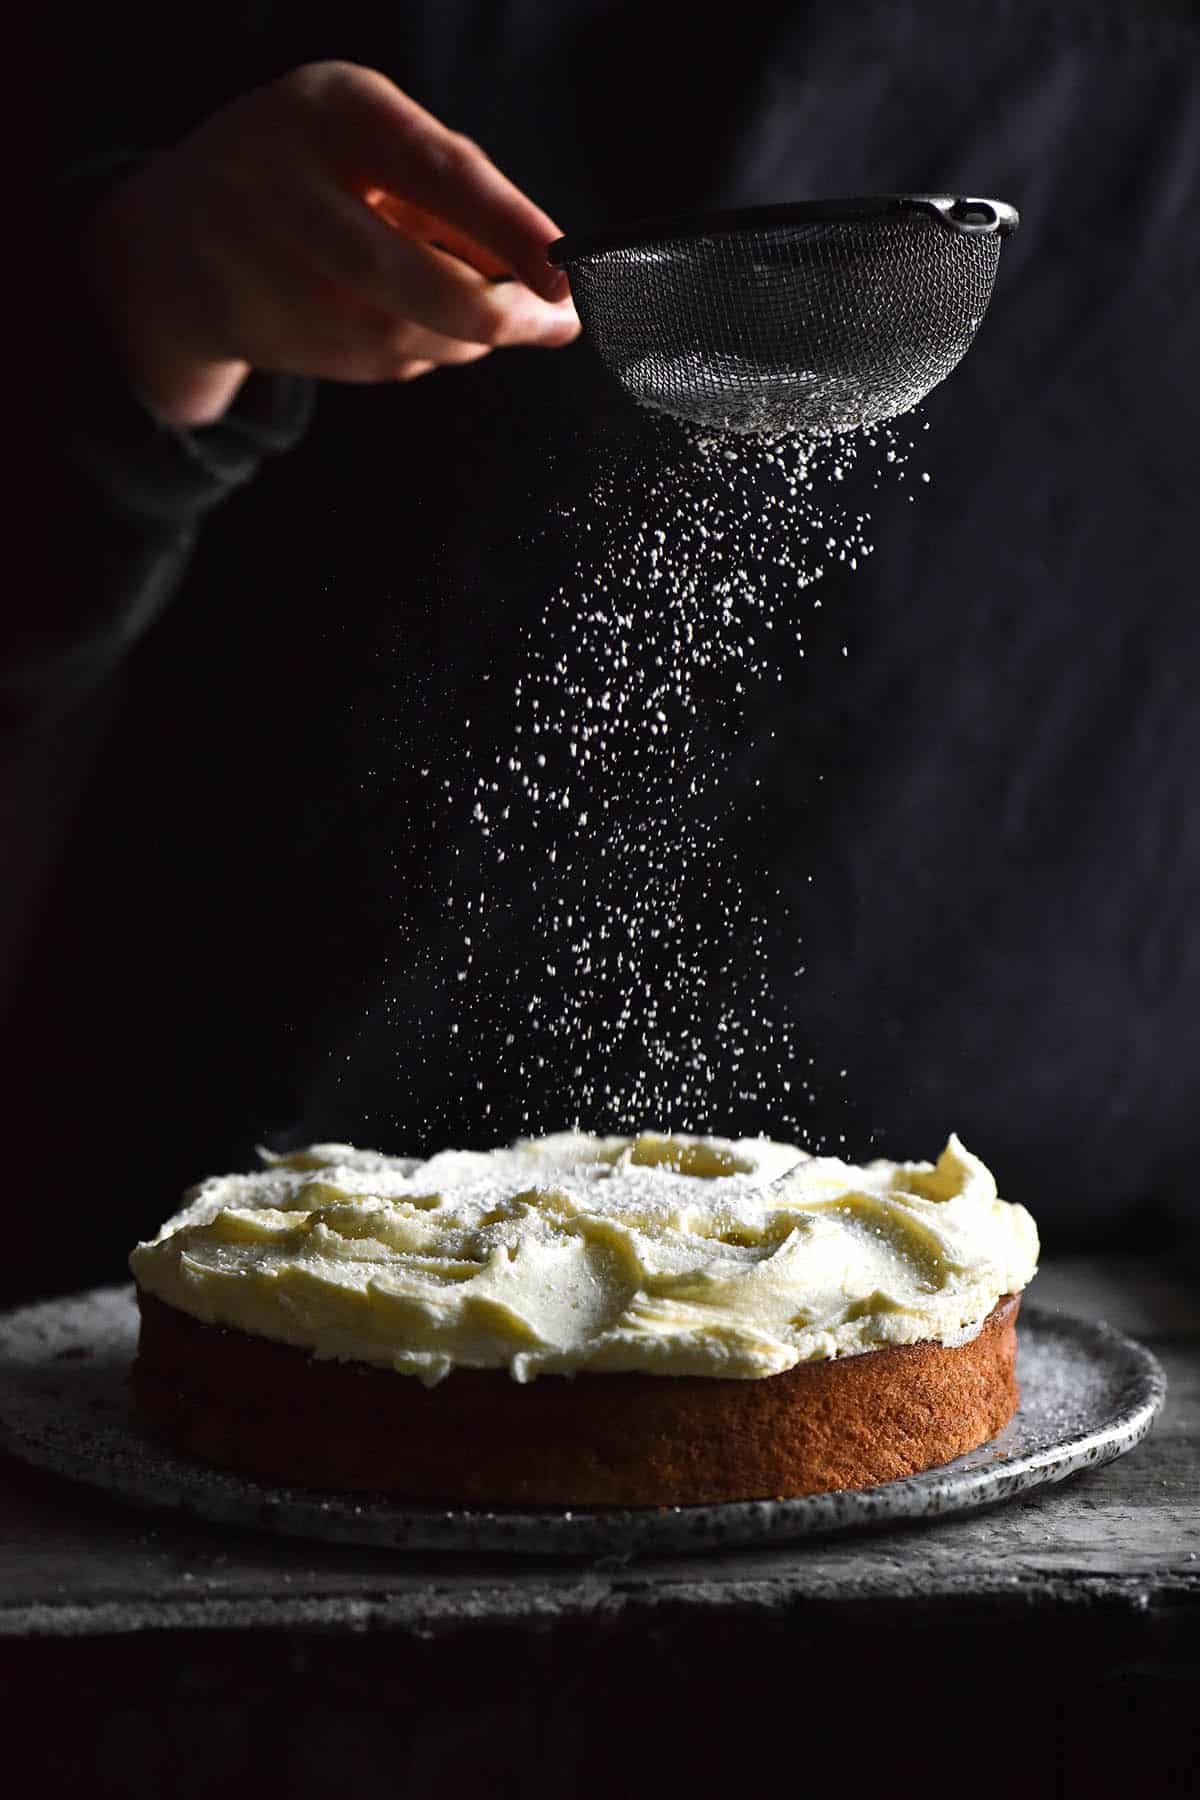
225	860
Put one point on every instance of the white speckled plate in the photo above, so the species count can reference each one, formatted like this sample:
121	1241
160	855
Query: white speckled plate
1088	1394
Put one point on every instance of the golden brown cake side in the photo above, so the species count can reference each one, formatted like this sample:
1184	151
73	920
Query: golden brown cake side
272	1411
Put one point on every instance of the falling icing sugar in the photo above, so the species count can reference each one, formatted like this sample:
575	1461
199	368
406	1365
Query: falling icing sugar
644	987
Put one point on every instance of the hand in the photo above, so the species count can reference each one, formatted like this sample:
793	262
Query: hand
323	225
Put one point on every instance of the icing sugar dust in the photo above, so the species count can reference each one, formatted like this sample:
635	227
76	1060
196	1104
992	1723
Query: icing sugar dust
646	985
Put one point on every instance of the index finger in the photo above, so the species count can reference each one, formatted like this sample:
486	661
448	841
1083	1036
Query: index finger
392	142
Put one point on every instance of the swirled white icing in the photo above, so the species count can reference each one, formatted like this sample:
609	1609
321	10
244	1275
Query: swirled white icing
670	1256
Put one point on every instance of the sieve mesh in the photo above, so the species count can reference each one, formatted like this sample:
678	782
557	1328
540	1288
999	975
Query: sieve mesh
814	325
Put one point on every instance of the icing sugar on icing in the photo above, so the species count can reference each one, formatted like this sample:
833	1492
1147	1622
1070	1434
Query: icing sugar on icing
672	1256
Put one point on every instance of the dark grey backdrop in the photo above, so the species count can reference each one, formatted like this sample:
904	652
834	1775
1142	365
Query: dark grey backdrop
1000	937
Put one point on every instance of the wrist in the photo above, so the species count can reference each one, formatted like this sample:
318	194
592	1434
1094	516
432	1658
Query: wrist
183	392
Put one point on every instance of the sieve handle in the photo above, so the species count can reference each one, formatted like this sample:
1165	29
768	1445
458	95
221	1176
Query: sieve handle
973	218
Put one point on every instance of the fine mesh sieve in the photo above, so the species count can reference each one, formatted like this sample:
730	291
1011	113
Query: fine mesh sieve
814	317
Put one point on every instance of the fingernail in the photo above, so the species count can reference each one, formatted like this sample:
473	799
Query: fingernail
557	286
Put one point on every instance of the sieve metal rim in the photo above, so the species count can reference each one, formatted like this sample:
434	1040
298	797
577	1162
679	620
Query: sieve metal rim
968	215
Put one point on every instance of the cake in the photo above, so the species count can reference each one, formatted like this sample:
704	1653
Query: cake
584	1321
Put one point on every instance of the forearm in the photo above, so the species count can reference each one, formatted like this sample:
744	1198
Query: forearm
98	530
102	501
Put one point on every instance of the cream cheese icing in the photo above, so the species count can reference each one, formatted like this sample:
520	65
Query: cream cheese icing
659	1255
665	1255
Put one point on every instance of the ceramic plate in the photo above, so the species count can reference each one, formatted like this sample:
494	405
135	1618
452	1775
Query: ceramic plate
1088	1394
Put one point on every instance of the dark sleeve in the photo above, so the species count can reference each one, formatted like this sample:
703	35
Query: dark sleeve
100	501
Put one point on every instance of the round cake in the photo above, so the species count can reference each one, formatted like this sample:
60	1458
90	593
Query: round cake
585	1321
